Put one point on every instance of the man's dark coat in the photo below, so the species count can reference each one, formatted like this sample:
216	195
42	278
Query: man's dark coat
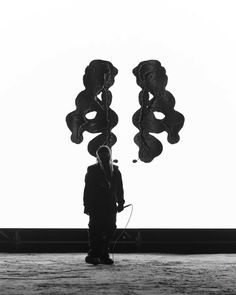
99	193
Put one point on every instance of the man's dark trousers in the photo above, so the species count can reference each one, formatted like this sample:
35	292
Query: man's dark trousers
102	225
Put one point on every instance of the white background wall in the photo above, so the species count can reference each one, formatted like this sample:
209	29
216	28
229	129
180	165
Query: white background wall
45	47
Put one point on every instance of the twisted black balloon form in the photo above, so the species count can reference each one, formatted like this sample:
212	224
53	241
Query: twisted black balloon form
152	78
98	78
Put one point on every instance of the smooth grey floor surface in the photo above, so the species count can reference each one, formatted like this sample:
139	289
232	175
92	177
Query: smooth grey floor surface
31	274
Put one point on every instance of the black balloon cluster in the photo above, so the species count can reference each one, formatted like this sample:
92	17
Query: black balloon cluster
98	78
152	78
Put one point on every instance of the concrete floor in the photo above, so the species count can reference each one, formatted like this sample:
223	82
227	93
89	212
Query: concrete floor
57	274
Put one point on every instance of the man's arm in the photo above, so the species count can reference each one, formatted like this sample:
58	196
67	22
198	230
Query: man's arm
87	191
120	192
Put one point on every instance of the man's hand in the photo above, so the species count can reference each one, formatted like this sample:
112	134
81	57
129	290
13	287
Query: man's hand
120	208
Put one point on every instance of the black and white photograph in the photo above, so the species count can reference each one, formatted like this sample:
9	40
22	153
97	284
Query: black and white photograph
117	123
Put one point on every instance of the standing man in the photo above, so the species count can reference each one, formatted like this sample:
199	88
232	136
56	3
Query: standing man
102	193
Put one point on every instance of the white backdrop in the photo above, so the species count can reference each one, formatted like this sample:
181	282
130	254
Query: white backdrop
45	47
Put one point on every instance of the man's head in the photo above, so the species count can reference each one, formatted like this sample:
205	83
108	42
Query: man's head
103	154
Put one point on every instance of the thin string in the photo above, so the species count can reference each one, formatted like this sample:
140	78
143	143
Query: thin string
122	232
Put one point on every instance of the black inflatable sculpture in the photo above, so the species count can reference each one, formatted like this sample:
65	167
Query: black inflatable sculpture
98	78
152	78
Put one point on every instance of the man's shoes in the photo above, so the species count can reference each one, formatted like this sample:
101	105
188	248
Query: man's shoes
96	260
92	260
106	260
